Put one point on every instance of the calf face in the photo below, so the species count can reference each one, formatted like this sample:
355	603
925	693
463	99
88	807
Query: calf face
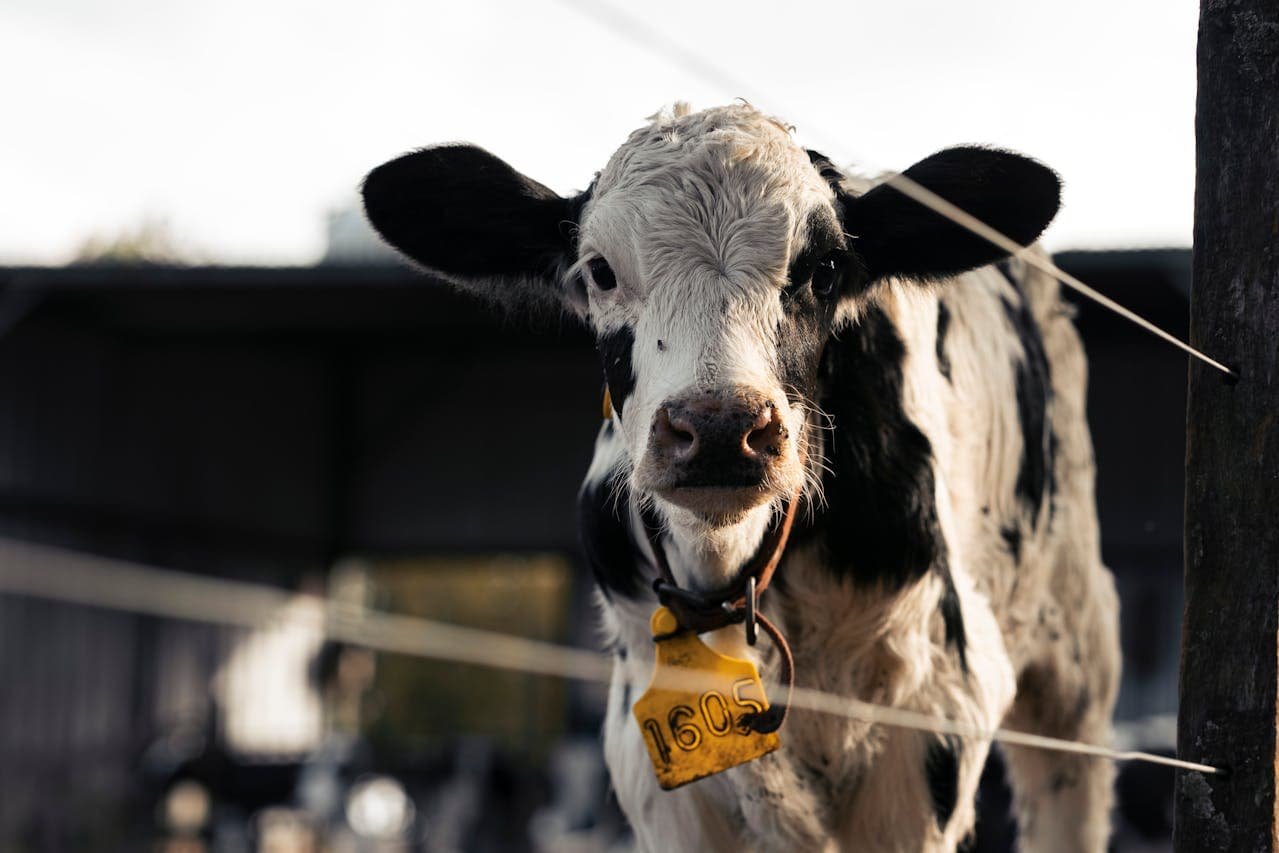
713	258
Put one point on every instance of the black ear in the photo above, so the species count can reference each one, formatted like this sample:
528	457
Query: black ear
463	213
895	235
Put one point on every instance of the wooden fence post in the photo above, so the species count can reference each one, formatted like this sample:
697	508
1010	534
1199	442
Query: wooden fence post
1230	636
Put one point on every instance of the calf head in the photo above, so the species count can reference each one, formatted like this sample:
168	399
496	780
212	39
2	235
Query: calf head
712	258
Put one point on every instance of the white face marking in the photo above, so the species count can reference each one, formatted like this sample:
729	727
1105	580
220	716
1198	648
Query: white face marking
698	217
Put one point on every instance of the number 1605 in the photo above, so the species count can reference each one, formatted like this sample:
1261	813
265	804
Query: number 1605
712	712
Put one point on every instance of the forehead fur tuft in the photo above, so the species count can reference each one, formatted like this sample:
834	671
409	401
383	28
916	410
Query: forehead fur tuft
723	193
679	144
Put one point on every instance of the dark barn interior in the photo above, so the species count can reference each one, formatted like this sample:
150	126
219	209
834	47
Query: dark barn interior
284	425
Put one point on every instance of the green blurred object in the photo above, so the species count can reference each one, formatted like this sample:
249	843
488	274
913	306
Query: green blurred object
419	703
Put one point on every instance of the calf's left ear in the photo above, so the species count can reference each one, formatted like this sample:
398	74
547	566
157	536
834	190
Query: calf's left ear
469	217
894	235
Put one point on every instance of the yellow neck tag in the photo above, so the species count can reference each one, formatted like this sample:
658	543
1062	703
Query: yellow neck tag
692	724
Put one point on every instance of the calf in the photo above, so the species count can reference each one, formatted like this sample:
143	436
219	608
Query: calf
783	340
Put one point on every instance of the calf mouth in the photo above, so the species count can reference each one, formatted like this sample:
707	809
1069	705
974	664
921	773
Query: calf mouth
717	505
721	497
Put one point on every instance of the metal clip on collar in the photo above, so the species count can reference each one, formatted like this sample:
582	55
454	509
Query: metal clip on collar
752	625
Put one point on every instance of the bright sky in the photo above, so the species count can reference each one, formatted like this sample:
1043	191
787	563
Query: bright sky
242	122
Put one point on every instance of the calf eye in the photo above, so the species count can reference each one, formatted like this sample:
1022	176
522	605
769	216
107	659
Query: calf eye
602	274
826	275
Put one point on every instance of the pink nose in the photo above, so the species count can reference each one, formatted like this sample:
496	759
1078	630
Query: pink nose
718	429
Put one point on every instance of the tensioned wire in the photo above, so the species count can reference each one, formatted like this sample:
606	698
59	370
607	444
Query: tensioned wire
69	577
635	30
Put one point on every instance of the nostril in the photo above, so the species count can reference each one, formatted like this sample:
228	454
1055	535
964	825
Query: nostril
675	435
684	439
766	434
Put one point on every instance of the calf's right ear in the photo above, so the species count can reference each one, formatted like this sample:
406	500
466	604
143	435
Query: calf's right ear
469	217
895	235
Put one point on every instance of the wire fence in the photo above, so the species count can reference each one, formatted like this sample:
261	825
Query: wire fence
73	578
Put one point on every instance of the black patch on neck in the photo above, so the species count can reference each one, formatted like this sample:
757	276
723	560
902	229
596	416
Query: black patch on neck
615	350
880	523
879	526
941	769
603	513
1035	476
943	324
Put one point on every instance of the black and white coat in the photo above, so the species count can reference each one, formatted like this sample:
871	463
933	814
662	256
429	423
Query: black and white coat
928	399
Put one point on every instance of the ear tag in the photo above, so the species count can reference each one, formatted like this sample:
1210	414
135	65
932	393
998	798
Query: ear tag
608	404
691	716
